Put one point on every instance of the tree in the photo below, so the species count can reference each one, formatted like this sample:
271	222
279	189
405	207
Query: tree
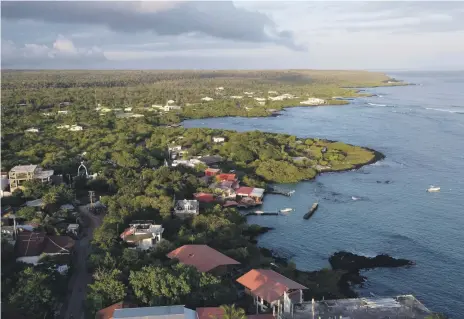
28	213
34	294
231	312
107	288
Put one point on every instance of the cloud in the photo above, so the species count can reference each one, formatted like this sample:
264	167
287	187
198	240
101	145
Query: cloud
220	19
61	53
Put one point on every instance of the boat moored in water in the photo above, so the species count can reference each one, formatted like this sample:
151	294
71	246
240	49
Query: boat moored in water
433	189
311	211
286	210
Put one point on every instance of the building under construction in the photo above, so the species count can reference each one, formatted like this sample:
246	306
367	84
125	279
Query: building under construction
22	173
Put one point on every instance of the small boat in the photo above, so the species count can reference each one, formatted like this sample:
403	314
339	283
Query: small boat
354	198
432	189
311	211
259	212
286	210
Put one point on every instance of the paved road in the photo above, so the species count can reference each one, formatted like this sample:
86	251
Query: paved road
81	278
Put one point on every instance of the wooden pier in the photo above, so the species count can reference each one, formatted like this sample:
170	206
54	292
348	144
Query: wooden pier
275	190
311	211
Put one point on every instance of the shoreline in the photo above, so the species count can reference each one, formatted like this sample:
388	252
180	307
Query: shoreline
348	280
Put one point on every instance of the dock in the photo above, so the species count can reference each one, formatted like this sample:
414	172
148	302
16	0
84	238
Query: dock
311	211
262	214
275	190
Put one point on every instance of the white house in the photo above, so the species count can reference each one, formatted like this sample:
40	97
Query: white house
105	110
127	109
75	128
260	99
143	234
176	148
272	92
218	139
189	163
185	208
170	102
248	93
206	98
47	114
63	126
168	108
220	88
238	97
313	101
32	130
63	112
158	106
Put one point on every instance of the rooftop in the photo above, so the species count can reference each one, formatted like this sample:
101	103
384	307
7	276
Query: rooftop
202	257
24	169
36	243
167	312
244	191
400	307
268	284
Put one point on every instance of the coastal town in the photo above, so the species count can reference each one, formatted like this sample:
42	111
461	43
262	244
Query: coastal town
120	212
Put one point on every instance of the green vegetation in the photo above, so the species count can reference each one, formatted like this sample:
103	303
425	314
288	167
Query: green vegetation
128	156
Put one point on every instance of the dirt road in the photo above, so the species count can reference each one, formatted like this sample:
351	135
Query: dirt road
81	277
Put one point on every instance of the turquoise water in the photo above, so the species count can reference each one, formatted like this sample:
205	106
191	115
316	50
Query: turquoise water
420	129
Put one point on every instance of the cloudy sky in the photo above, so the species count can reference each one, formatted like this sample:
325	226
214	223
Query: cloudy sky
233	34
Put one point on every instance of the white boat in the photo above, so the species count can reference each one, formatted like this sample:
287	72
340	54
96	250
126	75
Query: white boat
354	198
286	210
433	189
259	212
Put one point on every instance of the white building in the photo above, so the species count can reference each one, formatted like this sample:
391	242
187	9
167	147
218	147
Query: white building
189	163
21	173
313	101
260	99
32	130
207	98
47	114
143	234
75	128
170	102
63	112
248	93
237	97
63	126
186	208
73	229
176	148
220	88
168	108
218	139
127	109
272	92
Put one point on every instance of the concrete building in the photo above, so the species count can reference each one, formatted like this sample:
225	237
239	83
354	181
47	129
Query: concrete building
400	307
186	208
313	101
21	173
143	234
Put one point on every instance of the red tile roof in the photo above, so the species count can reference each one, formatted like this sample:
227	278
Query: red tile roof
226	177
202	257
212	171
268	284
107	313
210	313
204	197
244	191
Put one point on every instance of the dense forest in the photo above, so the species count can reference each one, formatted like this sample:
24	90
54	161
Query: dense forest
128	153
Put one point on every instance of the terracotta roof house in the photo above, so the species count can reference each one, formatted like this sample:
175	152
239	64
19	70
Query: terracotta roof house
212	171
244	191
226	177
203	258
256	194
204	197
107	313
272	290
30	246
166	312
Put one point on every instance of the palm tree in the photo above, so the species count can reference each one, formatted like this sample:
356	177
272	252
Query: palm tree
231	312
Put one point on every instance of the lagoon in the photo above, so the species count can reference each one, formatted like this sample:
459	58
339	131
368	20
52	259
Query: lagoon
420	129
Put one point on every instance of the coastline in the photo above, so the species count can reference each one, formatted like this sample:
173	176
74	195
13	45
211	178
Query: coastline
346	280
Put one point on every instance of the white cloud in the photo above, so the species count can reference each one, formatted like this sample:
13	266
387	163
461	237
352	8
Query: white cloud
60	53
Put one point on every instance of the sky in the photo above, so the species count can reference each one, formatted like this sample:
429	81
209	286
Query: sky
380	35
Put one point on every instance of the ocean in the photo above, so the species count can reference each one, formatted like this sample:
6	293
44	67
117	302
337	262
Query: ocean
384	207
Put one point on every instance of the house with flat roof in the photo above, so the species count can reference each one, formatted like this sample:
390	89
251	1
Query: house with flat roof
272	291
166	312
21	173
186	208
203	258
399	307
144	234
218	139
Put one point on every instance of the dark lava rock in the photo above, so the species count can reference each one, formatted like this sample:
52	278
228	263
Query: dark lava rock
348	261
